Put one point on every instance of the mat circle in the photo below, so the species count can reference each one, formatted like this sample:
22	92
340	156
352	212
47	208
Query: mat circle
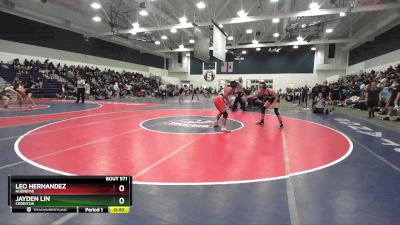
106	144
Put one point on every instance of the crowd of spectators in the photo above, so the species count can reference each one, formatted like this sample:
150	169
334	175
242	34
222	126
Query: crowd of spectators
350	90
102	84
353	91
25	71
107	83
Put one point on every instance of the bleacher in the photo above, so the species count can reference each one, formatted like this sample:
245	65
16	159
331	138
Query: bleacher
49	89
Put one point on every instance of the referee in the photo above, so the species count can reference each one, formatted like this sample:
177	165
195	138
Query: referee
80	85
239	94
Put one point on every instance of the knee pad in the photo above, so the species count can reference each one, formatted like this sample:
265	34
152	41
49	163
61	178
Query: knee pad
276	110
225	114
263	109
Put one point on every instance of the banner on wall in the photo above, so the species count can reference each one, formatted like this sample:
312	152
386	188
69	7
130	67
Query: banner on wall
227	67
230	67
209	71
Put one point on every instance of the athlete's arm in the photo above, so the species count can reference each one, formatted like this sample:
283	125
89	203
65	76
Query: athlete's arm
15	92
255	95
274	95
397	100
20	88
227	91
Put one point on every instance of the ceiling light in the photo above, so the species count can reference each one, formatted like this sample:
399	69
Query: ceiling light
230	38
135	25
329	30
173	30
164	37
295	46
211	48
181	46
191	41
255	42
96	19
241	13
244	52
274	0
276	34
258	49
143	12
95	5
341	14
275	20
303	25
183	19
313	48
201	5
249	31
221	26
300	39
187	54
314	6
157	42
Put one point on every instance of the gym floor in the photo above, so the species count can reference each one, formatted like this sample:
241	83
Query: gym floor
319	169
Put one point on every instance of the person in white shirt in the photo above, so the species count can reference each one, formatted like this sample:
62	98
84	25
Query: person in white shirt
128	89
80	85
319	104
116	89
87	89
163	90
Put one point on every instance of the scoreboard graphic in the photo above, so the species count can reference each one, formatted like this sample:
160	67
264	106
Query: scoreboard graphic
74	194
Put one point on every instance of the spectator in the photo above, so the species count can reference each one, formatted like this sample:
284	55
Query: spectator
87	89
319	104
336	96
304	96
393	104
314	93
116	89
372	97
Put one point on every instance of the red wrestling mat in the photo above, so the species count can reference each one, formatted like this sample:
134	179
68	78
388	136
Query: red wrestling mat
178	147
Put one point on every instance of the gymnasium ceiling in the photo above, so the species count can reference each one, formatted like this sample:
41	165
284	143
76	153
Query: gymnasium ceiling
364	19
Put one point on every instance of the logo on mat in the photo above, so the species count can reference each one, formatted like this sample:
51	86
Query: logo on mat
187	125
199	123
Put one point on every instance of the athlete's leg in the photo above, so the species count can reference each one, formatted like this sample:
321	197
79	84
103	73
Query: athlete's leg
224	121
276	111
262	115
6	101
217	119
29	97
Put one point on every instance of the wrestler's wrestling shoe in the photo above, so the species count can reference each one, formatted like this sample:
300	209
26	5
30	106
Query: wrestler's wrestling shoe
261	122
223	129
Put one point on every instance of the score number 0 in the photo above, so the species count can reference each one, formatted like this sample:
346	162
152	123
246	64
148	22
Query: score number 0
121	200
